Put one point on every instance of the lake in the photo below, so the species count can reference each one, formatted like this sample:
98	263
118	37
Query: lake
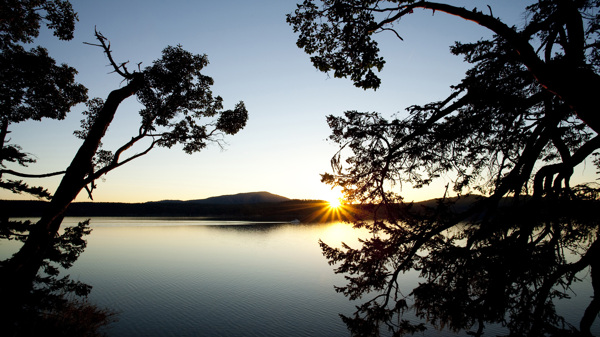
193	277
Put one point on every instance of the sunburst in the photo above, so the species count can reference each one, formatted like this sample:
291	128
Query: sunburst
335	203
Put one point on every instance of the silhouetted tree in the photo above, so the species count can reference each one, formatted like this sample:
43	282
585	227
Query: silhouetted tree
178	108
20	20
33	85
518	123
557	45
176	98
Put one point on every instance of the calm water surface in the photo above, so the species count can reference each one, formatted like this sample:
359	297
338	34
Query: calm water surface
190	277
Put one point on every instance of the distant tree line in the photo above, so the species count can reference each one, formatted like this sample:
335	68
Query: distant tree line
303	210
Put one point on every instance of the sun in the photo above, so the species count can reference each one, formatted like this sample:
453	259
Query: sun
334	198
335	203
333	208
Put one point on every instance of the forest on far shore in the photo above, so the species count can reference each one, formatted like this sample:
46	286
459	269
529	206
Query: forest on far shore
303	210
289	210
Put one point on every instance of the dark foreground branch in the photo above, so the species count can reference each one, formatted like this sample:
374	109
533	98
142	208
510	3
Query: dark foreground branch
26	175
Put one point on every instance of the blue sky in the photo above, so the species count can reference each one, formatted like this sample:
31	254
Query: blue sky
253	58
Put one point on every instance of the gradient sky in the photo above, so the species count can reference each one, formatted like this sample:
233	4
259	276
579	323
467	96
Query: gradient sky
253	57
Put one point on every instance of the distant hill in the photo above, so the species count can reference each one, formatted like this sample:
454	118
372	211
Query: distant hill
241	199
304	210
242	205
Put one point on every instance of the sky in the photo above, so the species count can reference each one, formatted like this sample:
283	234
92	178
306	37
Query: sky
253	58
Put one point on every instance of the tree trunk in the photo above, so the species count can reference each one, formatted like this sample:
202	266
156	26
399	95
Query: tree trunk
3	134
18	273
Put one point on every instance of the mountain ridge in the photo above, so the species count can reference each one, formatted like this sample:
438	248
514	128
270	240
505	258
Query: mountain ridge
254	206
234	199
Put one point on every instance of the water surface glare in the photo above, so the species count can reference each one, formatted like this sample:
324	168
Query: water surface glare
181	277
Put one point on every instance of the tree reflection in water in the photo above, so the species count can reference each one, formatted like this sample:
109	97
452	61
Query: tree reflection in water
507	266
53	305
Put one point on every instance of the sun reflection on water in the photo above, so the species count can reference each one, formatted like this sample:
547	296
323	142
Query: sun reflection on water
337	232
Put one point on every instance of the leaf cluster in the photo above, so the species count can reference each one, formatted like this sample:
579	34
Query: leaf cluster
178	108
338	36
177	96
20	21
19	186
35	87
32	85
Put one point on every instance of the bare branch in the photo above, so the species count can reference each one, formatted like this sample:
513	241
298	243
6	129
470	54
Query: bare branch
25	175
127	146
393	31
113	165
89	191
105	45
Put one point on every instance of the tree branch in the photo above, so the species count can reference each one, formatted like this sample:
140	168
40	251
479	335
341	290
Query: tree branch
105	45
25	175
114	164
439	114
127	146
519	42
549	171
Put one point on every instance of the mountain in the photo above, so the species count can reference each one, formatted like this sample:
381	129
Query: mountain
236	199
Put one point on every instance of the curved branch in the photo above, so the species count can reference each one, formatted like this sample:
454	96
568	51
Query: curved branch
561	147
143	133
520	43
126	146
114	164
574	48
576	85
26	175
393	31
550	170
